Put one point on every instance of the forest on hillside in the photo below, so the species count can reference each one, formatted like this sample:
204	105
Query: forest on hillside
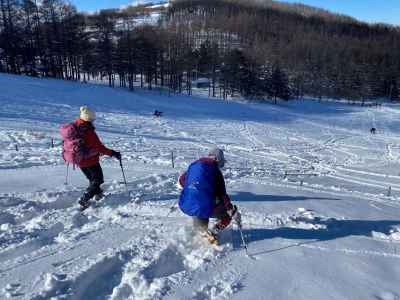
256	49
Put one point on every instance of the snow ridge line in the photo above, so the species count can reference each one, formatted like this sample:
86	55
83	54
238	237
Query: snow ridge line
352	251
392	202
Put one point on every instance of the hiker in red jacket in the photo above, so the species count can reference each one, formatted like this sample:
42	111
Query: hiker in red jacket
90	164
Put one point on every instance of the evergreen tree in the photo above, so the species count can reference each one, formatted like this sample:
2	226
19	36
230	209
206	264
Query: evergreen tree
279	85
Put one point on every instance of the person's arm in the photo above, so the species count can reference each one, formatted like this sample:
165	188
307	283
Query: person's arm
221	191
182	179
95	143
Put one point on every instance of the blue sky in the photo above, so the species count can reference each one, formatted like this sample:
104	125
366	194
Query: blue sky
387	11
92	5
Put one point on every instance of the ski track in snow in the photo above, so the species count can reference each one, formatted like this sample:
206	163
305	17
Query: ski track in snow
311	182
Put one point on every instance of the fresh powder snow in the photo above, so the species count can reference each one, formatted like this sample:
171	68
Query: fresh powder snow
319	196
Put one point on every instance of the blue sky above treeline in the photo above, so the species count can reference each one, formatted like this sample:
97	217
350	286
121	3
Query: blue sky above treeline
373	11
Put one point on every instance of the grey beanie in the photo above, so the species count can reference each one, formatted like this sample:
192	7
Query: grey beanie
218	155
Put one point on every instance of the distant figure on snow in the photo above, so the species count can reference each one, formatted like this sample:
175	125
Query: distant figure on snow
373	130
204	195
157	113
82	147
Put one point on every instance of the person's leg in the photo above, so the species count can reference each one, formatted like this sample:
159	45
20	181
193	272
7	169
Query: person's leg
86	196
224	219
95	176
87	173
97	179
200	225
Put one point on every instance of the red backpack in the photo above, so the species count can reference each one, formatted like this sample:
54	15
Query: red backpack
74	149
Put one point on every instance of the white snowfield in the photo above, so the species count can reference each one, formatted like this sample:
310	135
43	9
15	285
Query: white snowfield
319	195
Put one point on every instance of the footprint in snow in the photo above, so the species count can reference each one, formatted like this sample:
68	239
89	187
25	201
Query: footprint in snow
79	219
387	296
169	262
217	289
12	290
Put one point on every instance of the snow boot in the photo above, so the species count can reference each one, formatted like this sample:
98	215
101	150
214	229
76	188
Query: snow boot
84	205
99	196
212	237
84	201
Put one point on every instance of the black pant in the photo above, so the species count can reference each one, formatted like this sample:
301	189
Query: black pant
95	175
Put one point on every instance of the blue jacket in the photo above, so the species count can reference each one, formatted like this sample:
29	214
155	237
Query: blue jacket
202	184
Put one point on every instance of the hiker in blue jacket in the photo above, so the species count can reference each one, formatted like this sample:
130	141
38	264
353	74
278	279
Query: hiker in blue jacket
204	195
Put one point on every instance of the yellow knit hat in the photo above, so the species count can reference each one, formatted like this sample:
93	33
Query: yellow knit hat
87	114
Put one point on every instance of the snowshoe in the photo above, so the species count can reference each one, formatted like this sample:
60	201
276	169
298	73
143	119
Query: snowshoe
212	238
83	204
99	197
204	239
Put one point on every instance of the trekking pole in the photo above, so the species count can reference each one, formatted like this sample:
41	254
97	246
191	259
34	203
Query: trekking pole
123	172
171	209
66	177
243	240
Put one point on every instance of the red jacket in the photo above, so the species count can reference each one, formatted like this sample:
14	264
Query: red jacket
92	142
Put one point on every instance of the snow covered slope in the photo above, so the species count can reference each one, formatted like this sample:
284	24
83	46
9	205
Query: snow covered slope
311	181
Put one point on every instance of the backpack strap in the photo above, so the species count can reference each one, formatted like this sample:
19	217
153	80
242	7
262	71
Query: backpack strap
79	129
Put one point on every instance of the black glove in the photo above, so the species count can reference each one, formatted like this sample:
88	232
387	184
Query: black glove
116	154
235	215
232	211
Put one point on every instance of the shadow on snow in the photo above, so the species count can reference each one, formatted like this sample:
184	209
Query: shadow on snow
250	197
333	229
